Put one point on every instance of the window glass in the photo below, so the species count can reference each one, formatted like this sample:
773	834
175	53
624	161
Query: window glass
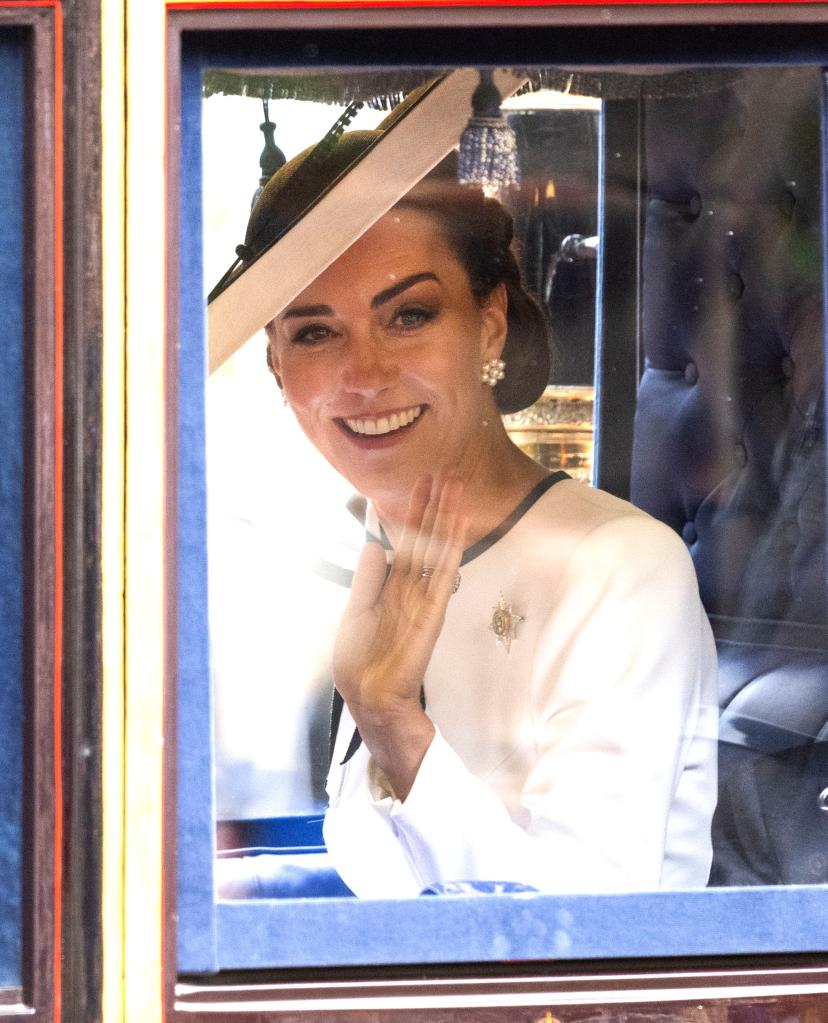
669	227
274	763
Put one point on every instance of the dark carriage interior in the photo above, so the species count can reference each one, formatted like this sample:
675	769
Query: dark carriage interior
729	440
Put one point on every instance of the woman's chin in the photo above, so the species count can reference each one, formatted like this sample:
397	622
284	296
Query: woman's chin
388	482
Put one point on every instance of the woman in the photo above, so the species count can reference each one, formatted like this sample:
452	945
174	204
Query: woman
529	688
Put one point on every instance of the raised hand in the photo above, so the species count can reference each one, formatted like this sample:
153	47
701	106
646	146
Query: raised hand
390	625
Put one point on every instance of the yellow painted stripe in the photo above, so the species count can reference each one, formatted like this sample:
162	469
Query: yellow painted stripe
145	332
112	506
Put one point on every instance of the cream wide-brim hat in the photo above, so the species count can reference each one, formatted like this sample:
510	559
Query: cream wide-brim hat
320	202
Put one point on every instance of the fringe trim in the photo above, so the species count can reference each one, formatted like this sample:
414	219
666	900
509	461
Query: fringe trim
383	90
380	90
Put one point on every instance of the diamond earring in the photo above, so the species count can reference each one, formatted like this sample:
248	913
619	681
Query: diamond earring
492	371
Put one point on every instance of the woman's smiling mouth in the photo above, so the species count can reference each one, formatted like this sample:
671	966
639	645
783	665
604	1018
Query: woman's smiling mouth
377	426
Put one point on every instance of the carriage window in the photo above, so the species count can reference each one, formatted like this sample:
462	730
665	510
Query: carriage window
667	235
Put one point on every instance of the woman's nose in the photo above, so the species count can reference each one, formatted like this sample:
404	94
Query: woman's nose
366	367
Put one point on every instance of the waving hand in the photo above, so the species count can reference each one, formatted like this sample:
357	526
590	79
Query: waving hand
390	626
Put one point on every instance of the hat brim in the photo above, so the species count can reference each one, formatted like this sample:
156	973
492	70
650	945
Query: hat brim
402	154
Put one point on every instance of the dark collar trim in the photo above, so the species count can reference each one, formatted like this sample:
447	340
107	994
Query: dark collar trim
490	539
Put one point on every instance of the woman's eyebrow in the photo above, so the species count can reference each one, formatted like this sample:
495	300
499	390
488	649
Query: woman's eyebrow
307	310
400	286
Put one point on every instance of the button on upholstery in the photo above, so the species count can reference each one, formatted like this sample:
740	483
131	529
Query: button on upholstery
735	285
690	535
787	203
693	207
688	207
818	862
691	373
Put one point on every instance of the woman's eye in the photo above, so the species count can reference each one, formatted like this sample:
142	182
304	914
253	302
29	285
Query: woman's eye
312	333
412	317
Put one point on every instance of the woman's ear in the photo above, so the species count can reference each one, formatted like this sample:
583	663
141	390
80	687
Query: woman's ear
495	324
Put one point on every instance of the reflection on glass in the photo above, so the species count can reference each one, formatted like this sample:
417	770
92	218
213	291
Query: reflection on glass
557	430
571	686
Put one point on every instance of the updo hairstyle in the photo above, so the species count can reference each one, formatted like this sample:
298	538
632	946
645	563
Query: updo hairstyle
479	231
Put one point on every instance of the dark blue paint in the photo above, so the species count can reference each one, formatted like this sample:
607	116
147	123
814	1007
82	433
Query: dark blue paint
11	500
485	928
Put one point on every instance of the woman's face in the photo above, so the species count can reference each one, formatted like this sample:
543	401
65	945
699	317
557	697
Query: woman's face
380	358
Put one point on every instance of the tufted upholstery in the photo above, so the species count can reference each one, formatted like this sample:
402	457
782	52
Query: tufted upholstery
729	445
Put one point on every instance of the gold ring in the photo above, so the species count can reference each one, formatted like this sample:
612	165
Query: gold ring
427	572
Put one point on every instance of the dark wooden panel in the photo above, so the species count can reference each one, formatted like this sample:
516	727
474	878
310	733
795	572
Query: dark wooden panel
500	993
82	671
41	530
10	996
587	15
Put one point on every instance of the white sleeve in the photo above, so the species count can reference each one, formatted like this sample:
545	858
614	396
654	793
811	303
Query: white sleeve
622	688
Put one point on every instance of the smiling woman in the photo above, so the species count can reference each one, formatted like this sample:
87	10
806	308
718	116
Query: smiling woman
499	715
377	353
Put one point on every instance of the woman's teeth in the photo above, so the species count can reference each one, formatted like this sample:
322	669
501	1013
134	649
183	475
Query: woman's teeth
384	424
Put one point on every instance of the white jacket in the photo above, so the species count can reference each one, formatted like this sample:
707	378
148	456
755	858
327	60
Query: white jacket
582	758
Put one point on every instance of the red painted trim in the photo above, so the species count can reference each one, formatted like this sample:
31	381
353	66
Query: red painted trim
274	5
162	929
58	491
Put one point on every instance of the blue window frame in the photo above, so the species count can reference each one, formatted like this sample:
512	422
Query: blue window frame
222	935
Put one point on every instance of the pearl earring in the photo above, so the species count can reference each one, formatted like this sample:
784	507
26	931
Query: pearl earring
492	371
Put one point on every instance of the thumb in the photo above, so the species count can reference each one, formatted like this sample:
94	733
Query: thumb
369	578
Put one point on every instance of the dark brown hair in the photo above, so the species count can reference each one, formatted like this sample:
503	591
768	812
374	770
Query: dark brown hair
477	229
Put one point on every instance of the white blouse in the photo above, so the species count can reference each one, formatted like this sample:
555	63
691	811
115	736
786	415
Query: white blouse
575	751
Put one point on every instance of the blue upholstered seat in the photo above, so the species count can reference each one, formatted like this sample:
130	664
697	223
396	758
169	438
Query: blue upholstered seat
275	858
729	444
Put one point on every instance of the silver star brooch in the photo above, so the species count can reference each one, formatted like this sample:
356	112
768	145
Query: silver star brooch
504	623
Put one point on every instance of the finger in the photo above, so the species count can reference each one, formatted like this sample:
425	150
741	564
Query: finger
445	547
420	496
369	577
427	524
